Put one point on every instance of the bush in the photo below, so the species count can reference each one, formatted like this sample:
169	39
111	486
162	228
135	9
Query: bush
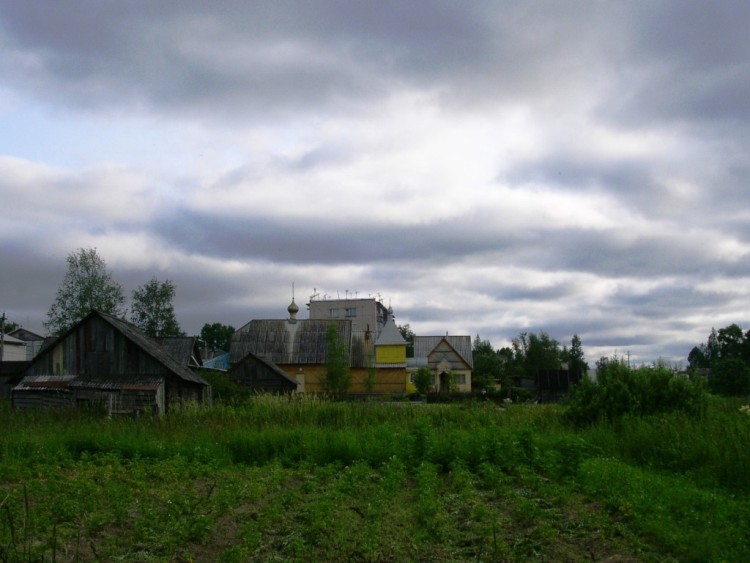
620	390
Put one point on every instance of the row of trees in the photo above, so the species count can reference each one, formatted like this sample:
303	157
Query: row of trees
528	355
88	285
725	357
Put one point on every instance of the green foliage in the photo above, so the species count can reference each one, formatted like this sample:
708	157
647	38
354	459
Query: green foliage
152	310
424	380
488	365
302	478
9	327
532	353
725	357
87	285
408	334
730	376
217	336
371	373
223	389
620	390
576	361
337	378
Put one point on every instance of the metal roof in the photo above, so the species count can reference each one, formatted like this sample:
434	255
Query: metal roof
286	341
44	382
424	345
390	335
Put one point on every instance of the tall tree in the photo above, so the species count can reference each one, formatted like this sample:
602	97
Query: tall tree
576	361
337	377
152	310
87	285
217	336
541	353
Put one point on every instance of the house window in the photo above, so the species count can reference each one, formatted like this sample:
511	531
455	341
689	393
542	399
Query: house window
351	311
333	313
460	379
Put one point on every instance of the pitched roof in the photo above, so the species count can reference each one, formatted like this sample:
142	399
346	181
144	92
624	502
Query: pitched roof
8	339
286	342
270	365
424	345
181	348
132	333
390	335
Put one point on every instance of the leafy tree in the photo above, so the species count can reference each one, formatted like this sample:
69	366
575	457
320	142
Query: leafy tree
730	376
87	285
726	355
217	336
424	380
697	358
731	342
488	365
152	310
337	377
533	353
408	334
8	326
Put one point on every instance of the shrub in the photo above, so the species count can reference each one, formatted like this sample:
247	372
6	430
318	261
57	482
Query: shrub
424	380
646	390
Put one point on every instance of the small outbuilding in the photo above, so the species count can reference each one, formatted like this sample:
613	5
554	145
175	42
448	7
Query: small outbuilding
106	360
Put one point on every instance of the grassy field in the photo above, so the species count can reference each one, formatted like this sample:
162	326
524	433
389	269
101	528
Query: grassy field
281	479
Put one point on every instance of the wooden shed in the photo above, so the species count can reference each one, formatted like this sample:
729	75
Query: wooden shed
111	358
256	373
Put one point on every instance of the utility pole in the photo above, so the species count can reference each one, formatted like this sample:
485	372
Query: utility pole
2	336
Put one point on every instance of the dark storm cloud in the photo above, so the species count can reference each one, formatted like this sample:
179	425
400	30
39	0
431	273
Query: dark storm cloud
324	240
617	134
274	56
684	61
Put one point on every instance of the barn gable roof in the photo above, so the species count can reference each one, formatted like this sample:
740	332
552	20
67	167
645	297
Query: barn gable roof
184	349
132	333
250	357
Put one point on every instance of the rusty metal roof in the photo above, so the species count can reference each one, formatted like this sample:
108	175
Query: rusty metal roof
44	382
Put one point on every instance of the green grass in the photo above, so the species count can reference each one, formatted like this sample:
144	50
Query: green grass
306	479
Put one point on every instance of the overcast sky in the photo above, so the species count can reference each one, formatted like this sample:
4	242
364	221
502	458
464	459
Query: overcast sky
485	168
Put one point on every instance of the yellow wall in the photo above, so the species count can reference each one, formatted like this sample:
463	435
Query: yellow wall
387	380
390	354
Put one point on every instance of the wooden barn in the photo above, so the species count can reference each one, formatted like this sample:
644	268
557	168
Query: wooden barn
112	363
253	372
296	347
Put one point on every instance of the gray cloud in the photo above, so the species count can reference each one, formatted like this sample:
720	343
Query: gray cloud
568	167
